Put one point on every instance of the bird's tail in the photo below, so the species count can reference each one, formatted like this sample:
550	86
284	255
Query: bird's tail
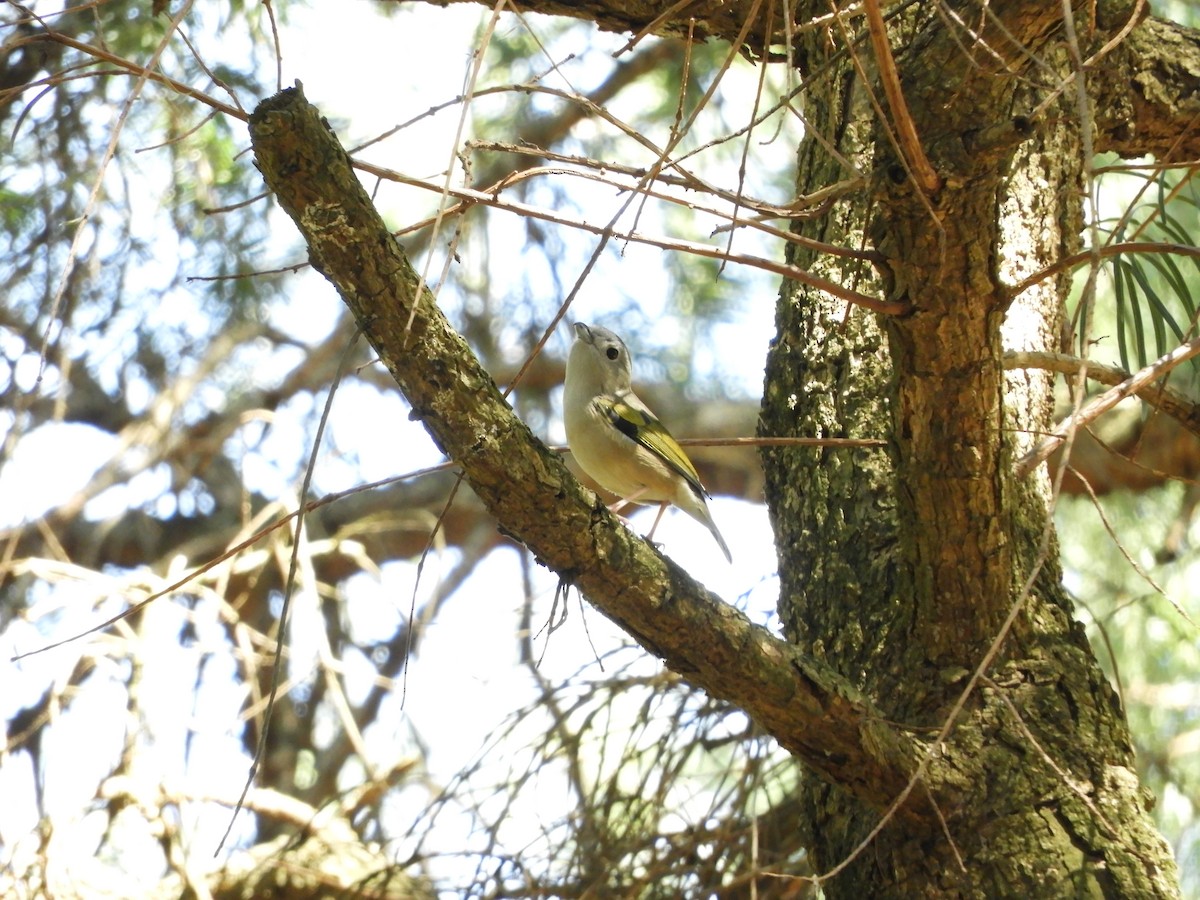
712	526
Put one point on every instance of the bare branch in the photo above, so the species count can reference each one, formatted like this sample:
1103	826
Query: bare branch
1106	401
811	710
1163	398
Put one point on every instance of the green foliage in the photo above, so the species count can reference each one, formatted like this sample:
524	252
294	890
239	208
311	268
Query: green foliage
155	220
1144	641
1145	304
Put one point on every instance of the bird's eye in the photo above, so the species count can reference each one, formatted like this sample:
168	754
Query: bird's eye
612	352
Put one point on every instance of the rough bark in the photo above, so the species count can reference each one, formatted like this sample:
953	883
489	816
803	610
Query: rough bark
901	572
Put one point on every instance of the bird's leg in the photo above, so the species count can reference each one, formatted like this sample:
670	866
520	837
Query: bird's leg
632	498
661	509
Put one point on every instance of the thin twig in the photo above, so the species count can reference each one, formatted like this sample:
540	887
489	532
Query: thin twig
1075	787
1133	563
1165	399
77	238
937	811
281	641
235	550
910	141
1103	252
783	442
609	231
444	193
809	207
747	141
146	73
1106	401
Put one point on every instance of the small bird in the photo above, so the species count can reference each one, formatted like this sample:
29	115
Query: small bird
618	441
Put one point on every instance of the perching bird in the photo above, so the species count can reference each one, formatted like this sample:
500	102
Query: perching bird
617	440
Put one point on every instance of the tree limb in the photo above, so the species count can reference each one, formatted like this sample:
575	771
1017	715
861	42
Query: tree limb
1153	112
1135	384
811	710
1145	99
1165	399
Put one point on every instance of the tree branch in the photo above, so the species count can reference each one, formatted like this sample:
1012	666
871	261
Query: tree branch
1165	399
698	21
811	710
1135	384
1145	96
1144	89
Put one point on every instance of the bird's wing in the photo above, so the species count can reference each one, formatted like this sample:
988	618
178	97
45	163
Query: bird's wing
633	419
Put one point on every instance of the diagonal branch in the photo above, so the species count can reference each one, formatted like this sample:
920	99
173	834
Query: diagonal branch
906	129
1165	399
1134	384
812	711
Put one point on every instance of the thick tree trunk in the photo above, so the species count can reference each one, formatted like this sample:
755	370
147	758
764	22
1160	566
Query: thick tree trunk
900	569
